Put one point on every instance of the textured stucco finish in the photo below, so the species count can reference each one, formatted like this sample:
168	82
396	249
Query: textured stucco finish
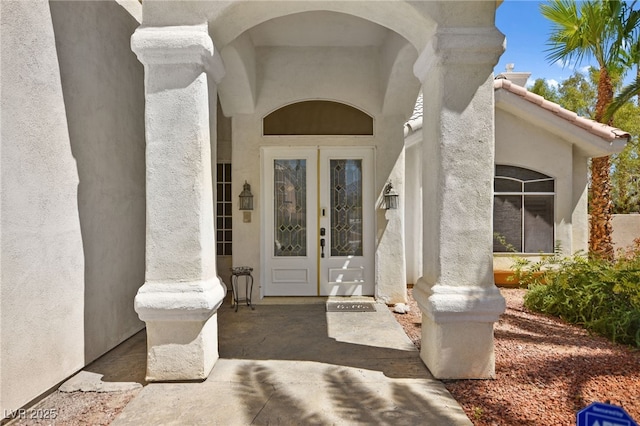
537	149
391	280
456	292
72	212
181	292
462	341
181	350
41	233
104	100
626	228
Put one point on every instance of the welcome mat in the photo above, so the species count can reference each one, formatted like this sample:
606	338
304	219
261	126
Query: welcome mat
350	307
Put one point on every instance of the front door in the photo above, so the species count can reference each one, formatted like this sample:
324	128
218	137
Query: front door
318	221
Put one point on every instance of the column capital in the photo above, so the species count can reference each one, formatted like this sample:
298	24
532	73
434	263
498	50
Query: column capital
463	46
174	45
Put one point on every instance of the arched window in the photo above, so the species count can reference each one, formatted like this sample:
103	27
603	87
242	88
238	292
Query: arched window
317	118
523	211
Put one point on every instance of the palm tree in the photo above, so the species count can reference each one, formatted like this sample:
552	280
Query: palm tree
593	29
632	25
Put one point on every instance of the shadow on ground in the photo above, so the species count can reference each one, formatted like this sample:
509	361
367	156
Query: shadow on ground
353	400
308	333
297	364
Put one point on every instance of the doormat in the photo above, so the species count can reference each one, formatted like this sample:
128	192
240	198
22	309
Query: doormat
350	307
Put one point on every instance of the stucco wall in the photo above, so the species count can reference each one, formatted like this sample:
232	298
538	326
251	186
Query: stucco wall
413	211
626	228
102	82
73	211
522	144
518	143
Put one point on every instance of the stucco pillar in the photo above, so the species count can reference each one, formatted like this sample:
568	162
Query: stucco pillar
456	294
182	292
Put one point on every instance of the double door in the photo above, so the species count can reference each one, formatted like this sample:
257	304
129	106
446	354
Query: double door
318	221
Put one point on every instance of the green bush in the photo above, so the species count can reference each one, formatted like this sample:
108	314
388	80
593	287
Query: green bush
602	296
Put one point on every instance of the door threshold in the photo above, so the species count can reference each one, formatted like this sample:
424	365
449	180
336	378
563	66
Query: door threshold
313	300
293	300
363	299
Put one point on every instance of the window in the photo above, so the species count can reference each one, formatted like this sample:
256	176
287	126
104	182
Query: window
523	211
223	209
318	118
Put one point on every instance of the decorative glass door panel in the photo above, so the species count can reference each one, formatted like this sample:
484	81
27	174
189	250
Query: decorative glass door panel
346	207
290	207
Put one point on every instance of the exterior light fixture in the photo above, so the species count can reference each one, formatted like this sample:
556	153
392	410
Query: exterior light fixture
246	197
390	197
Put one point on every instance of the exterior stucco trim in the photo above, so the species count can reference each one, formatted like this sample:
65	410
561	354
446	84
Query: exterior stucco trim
177	45
460	46
444	303
193	301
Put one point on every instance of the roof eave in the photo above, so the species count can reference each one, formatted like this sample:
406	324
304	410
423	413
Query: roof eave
588	142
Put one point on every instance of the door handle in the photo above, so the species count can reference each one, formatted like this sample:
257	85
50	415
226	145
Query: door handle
322	243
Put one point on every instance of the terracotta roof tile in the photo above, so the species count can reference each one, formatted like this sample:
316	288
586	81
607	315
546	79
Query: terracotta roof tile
601	130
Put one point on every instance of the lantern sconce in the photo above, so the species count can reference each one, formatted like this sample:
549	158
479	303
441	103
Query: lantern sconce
246	197
390	197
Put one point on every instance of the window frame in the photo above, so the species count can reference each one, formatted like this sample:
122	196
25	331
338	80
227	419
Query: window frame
523	194
224	210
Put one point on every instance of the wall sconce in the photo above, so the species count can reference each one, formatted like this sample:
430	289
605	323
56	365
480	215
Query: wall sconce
390	197
246	197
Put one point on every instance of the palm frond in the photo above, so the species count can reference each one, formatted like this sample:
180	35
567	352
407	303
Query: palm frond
623	97
588	29
564	42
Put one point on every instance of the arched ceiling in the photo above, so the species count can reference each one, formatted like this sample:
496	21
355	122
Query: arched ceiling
386	35
319	28
234	18
328	34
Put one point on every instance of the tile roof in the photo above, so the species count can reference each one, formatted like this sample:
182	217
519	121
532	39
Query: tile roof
601	130
417	110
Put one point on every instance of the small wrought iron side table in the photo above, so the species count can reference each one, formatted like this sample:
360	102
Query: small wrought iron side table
242	271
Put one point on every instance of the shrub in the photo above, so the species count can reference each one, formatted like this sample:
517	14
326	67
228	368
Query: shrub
602	296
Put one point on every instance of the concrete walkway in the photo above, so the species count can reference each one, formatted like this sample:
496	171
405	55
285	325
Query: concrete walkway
295	365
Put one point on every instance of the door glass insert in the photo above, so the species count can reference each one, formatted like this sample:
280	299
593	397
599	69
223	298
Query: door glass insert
290	207
346	207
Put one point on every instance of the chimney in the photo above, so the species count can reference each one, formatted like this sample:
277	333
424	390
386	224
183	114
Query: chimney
519	78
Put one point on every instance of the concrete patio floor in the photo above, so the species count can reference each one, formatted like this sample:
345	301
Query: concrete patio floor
293	364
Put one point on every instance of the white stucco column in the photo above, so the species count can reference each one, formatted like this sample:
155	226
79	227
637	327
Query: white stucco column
182	292
456	294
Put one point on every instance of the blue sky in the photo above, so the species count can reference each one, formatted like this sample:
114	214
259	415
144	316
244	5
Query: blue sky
527	32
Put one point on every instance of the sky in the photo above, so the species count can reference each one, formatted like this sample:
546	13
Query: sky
527	32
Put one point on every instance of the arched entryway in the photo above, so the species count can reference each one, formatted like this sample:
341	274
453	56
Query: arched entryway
260	56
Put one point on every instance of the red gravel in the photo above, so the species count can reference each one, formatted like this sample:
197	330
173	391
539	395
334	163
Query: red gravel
546	370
